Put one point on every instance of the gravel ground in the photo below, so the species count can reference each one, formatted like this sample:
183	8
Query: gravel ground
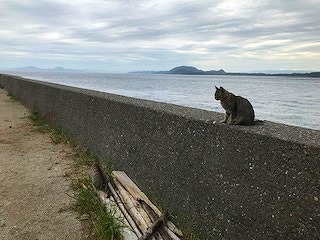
34	182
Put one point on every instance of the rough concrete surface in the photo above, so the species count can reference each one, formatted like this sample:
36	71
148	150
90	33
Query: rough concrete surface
34	201
224	182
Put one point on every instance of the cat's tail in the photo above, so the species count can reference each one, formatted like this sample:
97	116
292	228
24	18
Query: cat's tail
258	122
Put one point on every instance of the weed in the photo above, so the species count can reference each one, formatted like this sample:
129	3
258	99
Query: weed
11	96
58	136
85	158
107	226
86	201
108	166
41	124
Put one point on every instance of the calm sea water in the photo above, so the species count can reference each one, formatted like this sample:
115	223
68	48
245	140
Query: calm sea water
293	101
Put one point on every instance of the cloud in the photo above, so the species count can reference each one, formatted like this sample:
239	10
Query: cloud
162	34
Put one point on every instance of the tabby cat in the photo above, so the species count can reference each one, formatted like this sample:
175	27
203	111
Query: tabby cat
239	110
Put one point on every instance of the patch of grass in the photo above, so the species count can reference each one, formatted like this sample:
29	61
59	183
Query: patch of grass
11	96
107	226
84	157
86	201
41	124
108	167
58	136
104	224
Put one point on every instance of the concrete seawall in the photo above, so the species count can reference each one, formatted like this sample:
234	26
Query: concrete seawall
231	182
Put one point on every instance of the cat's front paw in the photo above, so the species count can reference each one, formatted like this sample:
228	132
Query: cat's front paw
223	121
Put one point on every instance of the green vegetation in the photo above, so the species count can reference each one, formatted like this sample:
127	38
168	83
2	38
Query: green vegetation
84	157
12	97
42	125
39	122
85	200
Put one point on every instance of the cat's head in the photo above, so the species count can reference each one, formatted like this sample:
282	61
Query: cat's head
220	93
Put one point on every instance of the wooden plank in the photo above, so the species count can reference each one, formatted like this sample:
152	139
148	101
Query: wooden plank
130	205
124	211
154	227
164	231
170	229
133	189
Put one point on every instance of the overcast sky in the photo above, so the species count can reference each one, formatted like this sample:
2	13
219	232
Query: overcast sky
129	35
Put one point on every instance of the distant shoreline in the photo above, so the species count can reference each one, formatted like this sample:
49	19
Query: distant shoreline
188	70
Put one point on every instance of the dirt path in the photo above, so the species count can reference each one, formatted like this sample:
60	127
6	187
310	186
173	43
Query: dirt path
34	201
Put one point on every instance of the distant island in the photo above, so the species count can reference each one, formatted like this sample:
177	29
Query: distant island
189	70
36	69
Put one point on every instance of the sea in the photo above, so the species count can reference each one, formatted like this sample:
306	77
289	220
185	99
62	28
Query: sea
289	100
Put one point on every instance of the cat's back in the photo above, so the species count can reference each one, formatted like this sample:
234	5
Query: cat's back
245	110
241	101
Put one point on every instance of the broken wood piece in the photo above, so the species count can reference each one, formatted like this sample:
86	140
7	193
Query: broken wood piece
130	205
170	234
126	231
124	211
153	216
174	229
169	231
154	227
165	232
158	236
139	208
133	189
139	216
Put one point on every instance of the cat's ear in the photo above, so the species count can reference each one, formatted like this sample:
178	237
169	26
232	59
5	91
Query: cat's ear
217	88
222	88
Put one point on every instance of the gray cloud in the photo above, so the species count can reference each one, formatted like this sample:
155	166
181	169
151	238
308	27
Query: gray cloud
162	34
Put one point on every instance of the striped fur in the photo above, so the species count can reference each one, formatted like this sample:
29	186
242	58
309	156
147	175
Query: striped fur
239	110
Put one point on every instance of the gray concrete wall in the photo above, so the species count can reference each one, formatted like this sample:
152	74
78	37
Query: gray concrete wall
224	182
